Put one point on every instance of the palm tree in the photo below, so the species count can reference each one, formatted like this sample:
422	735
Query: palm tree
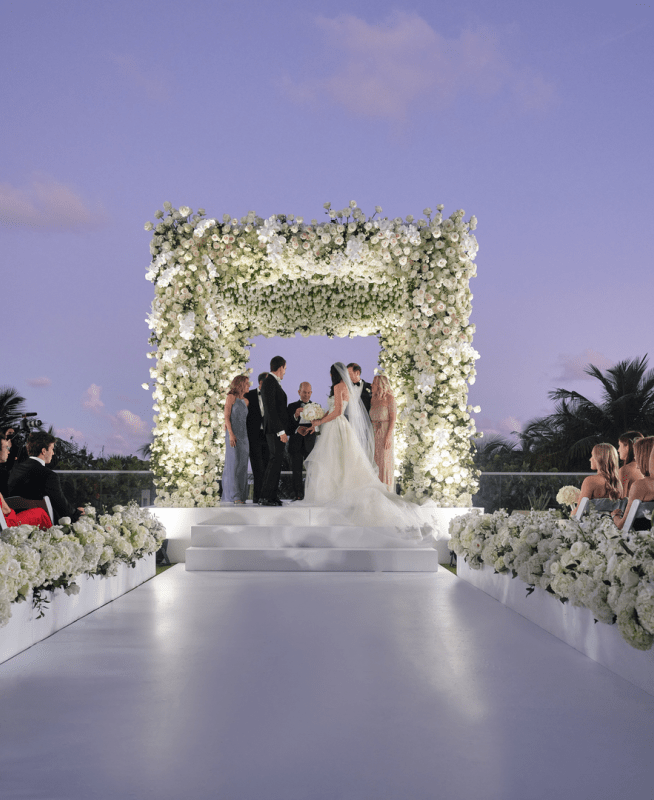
11	407
565	438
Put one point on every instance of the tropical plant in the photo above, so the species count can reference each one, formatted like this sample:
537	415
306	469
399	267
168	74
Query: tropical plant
565	438
11	407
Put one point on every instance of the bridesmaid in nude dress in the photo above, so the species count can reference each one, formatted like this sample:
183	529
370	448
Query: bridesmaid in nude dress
383	413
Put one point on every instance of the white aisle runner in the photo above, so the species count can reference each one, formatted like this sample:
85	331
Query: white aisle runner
319	686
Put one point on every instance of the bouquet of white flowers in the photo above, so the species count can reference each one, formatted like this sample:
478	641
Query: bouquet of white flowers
568	496
313	411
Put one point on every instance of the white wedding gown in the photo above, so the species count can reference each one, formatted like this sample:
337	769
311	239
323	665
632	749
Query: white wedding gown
341	478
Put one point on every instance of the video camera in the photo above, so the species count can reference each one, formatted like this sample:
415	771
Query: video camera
21	434
28	425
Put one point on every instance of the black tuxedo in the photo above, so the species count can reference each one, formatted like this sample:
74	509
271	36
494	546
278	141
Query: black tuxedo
275	420
31	480
299	447
366	394
257	441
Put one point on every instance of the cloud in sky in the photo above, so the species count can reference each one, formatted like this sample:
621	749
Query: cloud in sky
39	383
91	398
571	366
70	433
386	67
144	80
45	203
129	432
131	423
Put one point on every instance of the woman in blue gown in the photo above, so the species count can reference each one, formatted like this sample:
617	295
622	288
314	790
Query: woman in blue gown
235	473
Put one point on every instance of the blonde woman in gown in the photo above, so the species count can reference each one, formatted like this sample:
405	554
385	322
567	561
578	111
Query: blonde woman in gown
342	475
383	413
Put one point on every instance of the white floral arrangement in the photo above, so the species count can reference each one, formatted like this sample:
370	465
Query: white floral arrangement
218	283
312	412
32	560
588	563
568	496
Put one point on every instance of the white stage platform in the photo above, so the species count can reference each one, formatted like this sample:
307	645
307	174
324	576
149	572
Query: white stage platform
295	537
317	686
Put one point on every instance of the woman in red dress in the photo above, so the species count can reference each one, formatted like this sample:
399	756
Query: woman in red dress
30	516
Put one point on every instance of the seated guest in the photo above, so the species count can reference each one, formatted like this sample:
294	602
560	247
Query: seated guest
33	480
629	471
642	454
30	516
5	447
642	489
301	438
15	442
603	459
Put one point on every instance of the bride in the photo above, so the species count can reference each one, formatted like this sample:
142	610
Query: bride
341	473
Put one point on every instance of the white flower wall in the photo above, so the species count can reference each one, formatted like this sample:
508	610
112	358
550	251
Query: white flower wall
220	283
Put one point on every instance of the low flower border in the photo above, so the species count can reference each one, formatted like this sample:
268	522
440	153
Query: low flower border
220	283
588	563
32	560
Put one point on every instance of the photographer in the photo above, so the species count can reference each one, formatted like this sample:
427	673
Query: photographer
13	440
5	449
33	480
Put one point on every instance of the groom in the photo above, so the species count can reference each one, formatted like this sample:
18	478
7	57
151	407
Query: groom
275	424
362	387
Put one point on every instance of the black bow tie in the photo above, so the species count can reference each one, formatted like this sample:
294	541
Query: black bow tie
357	384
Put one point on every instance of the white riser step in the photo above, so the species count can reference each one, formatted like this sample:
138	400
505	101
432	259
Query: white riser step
268	536
312	559
249	514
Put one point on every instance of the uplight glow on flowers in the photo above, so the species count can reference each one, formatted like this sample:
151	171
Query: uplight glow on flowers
219	284
32	560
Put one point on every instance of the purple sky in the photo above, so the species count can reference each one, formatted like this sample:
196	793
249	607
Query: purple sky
537	118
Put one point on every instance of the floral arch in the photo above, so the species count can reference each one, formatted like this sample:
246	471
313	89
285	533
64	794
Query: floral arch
220	283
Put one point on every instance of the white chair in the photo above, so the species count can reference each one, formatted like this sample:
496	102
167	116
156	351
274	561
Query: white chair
581	508
600	504
638	509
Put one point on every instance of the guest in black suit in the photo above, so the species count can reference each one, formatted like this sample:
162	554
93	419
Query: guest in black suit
363	387
275	425
257	437
33	480
299	444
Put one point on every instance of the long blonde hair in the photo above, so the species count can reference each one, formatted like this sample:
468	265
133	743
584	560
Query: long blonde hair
384	385
607	462
239	385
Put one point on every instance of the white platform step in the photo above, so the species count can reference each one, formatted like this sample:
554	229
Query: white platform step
312	559
270	536
180	521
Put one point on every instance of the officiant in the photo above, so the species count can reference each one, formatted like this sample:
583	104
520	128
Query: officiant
299	444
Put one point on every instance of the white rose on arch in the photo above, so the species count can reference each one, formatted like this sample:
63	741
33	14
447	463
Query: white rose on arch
248	282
